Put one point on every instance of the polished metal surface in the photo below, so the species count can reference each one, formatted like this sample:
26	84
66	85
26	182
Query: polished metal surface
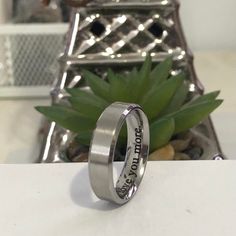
102	151
118	34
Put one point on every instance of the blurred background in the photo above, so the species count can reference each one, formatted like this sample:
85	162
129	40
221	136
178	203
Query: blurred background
31	38
208	24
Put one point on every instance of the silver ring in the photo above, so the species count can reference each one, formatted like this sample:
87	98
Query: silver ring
102	151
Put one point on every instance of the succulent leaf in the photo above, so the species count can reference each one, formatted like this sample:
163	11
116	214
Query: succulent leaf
84	137
111	76
155	101
177	100
161	72
118	88
67	118
138	84
190	116
203	98
129	81
88	105
161	132
98	86
76	92
133	73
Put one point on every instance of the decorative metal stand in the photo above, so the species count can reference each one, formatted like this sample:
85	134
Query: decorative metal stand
119	34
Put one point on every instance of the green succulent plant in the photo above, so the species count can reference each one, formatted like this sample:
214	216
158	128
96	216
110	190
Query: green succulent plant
163	98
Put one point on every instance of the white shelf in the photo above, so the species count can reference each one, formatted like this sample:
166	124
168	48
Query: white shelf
9	92
52	28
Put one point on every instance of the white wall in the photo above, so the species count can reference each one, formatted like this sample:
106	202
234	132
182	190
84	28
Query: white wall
209	24
5	10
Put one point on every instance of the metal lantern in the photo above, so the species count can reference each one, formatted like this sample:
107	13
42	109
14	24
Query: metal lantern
118	34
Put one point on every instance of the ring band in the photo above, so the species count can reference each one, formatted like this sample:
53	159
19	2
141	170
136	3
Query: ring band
102	151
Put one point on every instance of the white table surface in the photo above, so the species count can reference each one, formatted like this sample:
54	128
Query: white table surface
19	122
191	198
